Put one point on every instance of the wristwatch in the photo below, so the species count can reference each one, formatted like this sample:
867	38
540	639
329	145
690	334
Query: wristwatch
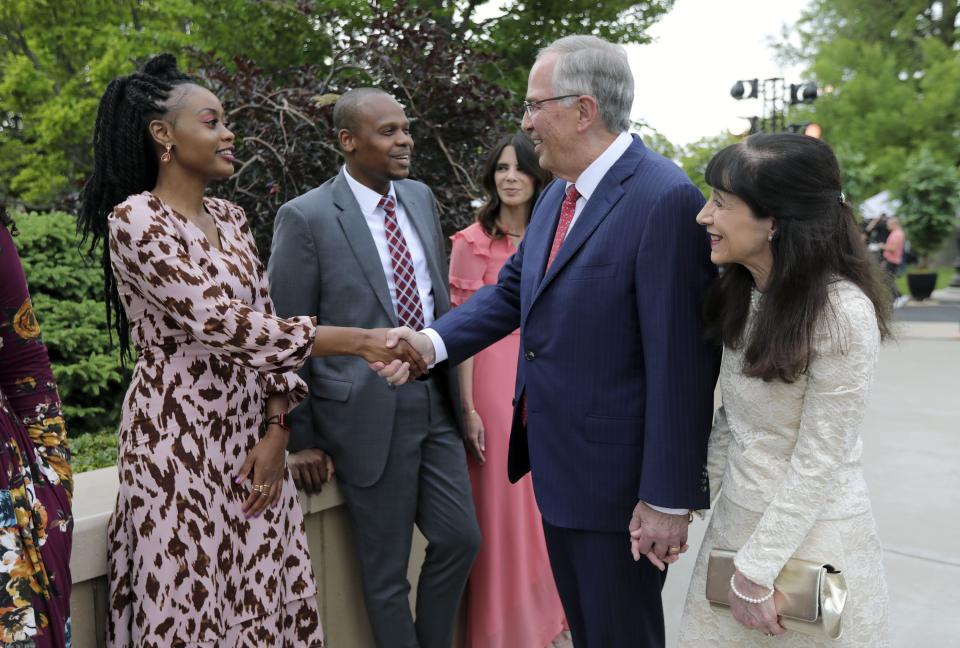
279	419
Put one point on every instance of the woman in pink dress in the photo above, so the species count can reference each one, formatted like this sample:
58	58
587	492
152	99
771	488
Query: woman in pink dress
206	546
512	600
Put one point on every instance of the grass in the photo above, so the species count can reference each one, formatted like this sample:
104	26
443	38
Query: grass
944	275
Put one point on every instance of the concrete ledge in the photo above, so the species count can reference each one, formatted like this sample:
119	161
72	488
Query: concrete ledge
332	551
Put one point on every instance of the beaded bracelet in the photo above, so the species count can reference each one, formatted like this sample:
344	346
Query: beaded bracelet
755	601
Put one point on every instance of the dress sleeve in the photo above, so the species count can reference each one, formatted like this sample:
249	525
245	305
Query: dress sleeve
468	263
289	382
151	260
834	402
26	378
717	452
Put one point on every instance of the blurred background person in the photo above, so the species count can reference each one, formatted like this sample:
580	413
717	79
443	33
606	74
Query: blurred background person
892	251
512	599
36	482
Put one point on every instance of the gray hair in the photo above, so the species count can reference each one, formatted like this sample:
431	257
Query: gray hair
592	66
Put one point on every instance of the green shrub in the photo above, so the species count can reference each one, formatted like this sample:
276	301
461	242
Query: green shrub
930	195
66	288
94	450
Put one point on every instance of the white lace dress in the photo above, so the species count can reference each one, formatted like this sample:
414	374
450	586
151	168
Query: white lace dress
788	459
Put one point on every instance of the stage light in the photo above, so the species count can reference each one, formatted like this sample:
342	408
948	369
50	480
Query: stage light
739	89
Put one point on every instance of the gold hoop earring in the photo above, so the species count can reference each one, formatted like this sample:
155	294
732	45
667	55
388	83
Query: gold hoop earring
166	157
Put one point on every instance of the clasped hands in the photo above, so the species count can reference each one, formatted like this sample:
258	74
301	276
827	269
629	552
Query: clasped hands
399	354
661	537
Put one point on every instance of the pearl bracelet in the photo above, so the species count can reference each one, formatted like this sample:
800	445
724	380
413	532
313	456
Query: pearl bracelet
755	601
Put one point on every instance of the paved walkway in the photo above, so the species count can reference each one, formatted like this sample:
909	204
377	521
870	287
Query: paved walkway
912	465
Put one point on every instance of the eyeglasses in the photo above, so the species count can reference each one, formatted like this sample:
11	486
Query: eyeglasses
533	106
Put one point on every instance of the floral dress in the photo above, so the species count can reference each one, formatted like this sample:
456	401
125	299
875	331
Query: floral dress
35	478
186	567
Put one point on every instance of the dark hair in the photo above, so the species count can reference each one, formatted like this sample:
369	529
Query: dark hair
6	220
796	180
348	106
527	162
125	162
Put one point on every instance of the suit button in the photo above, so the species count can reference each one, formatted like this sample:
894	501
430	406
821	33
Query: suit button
530	355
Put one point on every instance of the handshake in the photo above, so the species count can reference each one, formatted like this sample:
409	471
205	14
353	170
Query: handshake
399	354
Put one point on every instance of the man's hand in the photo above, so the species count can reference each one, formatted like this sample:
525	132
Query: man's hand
310	469
661	537
382	348
420	346
419	341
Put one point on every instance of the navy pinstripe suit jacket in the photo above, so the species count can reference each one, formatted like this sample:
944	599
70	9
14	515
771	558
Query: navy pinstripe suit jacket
617	378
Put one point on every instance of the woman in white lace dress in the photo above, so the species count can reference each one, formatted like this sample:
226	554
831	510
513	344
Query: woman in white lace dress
801	312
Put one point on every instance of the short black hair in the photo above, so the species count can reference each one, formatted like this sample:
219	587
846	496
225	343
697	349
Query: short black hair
347	108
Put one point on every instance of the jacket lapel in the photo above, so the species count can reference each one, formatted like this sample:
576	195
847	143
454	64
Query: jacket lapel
601	203
543	224
421	215
361	242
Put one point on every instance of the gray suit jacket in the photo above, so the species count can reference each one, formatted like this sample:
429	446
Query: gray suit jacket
323	262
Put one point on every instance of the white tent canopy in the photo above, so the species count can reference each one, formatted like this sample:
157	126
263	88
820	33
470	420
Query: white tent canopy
878	205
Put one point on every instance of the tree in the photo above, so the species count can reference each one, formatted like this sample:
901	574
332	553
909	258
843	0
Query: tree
56	57
287	144
929	192
891	74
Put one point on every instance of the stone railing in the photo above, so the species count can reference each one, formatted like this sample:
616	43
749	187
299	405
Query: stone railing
331	547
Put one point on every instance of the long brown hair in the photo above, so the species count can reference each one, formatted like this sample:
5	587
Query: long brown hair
796	180
527	162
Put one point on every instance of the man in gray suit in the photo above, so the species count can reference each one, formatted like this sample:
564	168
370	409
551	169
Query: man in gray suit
365	249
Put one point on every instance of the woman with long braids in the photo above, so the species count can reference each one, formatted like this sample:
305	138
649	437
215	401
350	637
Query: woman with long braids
35	478
206	545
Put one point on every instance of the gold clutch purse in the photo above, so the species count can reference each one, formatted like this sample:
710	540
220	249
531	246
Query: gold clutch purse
813	593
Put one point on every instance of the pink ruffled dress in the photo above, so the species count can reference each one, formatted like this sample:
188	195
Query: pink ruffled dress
512	600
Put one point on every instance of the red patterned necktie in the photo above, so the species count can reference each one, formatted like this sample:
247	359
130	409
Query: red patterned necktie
567	210
409	308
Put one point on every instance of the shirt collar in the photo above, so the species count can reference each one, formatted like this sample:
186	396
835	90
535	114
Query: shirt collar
367	198
590	178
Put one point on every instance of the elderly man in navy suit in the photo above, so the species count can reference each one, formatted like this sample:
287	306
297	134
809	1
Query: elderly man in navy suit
615	383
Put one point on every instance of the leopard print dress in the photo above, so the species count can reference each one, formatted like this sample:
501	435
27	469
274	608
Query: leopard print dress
186	567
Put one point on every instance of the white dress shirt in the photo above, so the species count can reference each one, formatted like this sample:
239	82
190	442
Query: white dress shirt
373	214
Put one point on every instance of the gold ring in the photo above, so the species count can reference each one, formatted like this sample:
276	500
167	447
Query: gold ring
673	551
261	488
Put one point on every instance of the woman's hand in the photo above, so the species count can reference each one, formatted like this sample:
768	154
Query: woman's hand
756	616
265	468
373	348
473	434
